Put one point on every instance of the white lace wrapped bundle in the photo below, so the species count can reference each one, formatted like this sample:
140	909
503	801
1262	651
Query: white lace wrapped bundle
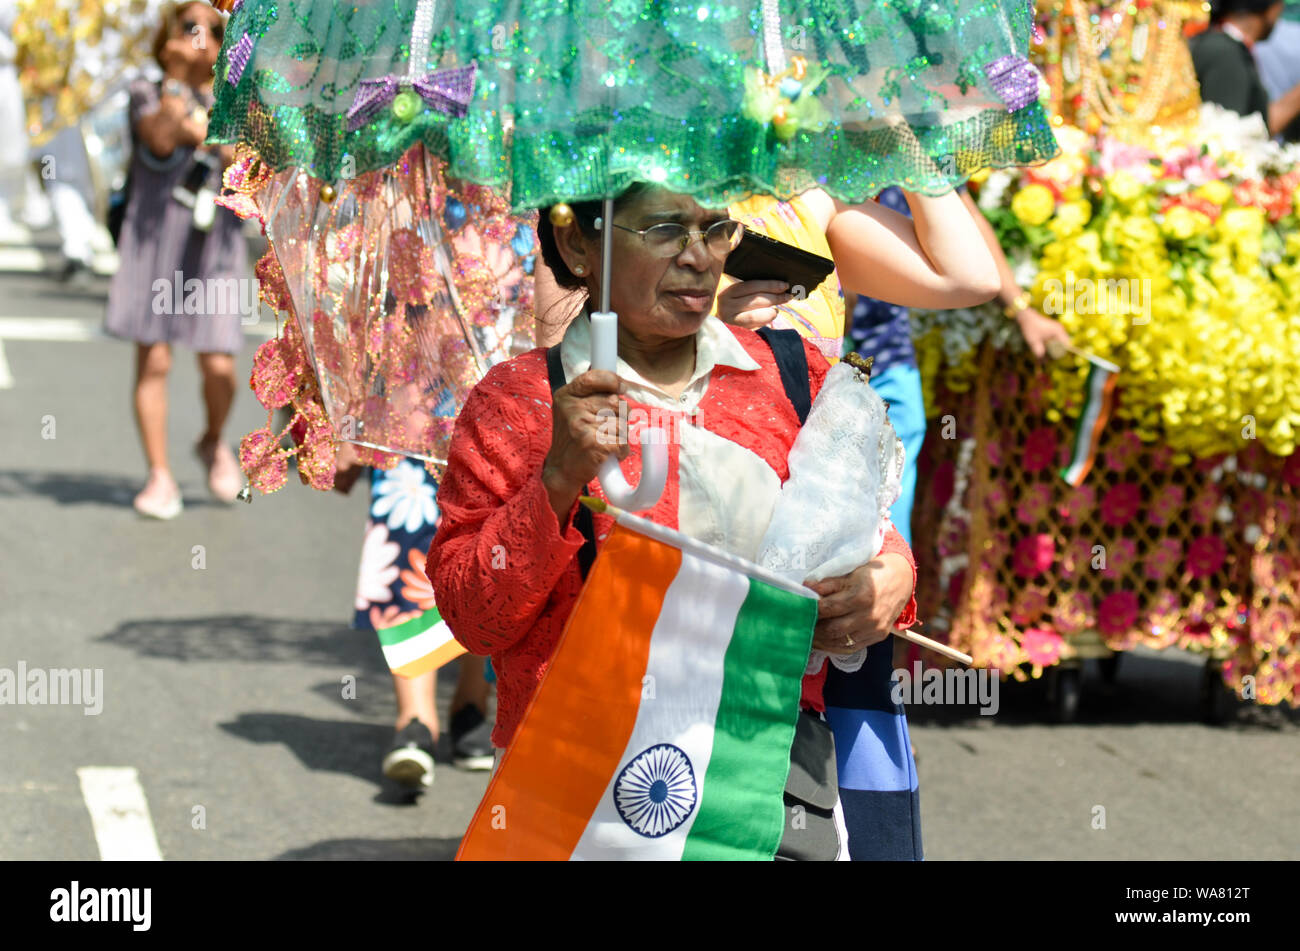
846	470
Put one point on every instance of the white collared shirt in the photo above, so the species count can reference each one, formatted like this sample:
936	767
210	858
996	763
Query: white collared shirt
726	491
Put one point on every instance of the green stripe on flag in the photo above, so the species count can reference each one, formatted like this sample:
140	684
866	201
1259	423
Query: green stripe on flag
741	811
408	629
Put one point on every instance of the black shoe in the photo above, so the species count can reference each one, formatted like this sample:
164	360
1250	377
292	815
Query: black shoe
410	761
471	739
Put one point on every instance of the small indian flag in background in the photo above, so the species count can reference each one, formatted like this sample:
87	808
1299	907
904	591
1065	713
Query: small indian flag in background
662	728
419	645
1099	401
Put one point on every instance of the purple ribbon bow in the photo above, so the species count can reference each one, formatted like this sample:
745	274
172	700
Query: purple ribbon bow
238	59
1014	79
445	90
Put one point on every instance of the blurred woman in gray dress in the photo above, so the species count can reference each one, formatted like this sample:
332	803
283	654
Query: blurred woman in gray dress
184	274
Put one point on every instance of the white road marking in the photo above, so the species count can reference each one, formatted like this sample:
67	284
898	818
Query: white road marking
30	260
6	378
119	813
80	329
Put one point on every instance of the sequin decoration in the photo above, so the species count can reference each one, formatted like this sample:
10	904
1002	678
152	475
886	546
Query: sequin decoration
579	99
1014	79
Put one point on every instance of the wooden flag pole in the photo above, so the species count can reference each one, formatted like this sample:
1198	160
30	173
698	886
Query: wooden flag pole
600	505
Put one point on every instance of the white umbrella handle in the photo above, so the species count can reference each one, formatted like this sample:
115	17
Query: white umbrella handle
654	444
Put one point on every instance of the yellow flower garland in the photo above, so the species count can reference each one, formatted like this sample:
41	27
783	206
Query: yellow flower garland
1214	366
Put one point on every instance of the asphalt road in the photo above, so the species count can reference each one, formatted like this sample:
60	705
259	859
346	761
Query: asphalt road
223	685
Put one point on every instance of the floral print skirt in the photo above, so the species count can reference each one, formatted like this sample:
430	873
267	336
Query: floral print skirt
391	584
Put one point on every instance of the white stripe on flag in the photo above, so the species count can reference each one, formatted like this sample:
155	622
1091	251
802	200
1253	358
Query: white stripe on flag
413	648
119	814
687	651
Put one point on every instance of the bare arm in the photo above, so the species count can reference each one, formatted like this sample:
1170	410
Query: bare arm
1037	329
1283	109
174	125
1008	289
936	260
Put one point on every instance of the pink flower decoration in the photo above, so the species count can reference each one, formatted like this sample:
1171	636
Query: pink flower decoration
1161	458
1205	556
1035	505
1120	555
1120	504
240	204
1120	157
273	288
1122	455
1163	559
1077	505
263	461
1117	612
1031	604
1167	504
1034	555
1042	646
275	374
1205	505
1074	612
1040	449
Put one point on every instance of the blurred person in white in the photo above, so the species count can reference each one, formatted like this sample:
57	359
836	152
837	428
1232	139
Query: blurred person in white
66	172
13	134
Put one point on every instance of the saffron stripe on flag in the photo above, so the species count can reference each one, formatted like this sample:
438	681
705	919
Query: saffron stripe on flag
419	645
738	814
581	715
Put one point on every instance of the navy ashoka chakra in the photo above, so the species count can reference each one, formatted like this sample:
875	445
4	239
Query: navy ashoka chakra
655	793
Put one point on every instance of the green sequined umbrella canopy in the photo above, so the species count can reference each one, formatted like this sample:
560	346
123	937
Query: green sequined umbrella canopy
565	100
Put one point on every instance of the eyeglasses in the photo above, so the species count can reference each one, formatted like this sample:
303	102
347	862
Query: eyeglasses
669	239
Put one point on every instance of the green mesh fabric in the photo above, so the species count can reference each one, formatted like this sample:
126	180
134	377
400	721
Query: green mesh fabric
576	99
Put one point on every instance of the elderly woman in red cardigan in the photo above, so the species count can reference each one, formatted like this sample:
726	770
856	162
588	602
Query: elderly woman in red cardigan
505	559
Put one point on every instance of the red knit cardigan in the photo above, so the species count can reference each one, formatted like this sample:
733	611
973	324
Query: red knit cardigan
504	570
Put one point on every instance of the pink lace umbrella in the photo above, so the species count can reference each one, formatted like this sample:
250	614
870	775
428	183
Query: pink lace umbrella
402	290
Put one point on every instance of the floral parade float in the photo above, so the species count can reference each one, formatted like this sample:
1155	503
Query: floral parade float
1166	238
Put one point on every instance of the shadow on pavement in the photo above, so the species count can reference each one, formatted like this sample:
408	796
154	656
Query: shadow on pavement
391	850
332	746
1145	690
335	746
245	637
73	488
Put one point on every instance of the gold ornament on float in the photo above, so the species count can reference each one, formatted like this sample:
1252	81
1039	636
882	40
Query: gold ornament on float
1122	67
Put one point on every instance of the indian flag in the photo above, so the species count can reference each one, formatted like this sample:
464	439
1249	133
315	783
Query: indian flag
419	645
662	728
1099	399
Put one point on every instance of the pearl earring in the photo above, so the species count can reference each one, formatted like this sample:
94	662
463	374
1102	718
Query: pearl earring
579	269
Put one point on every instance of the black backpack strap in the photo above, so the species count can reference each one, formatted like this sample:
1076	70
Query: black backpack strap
792	364
582	521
